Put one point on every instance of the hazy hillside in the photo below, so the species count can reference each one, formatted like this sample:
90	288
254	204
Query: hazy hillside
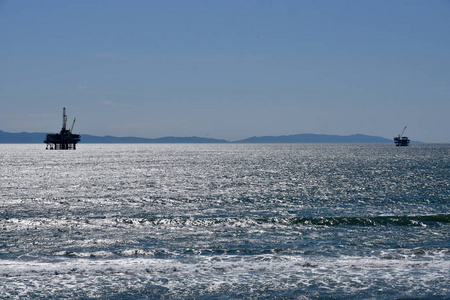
38	137
316	138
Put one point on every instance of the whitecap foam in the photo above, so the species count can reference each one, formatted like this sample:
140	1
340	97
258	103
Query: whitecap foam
194	275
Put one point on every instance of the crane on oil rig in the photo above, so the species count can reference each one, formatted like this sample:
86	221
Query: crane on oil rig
71	129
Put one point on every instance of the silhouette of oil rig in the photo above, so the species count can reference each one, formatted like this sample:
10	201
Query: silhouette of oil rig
401	140
65	139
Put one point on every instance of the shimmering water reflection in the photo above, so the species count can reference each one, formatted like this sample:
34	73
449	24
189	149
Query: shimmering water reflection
225	221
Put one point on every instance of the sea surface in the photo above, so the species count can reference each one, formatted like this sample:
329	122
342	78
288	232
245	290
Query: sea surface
225	221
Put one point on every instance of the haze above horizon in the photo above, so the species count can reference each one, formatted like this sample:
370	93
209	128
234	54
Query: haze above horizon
227	69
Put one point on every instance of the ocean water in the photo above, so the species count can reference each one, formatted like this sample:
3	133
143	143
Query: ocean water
203	221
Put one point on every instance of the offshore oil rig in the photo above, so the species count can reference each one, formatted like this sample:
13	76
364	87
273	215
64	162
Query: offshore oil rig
65	139
401	140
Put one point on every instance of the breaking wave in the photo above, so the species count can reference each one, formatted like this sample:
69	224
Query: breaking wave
427	220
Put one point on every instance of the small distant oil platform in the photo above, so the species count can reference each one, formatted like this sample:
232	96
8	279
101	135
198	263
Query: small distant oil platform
401	140
65	139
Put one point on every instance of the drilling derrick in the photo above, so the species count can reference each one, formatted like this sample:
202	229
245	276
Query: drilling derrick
65	139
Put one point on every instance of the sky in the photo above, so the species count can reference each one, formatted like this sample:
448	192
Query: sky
227	69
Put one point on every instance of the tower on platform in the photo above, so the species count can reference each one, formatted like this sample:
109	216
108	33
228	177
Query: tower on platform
65	139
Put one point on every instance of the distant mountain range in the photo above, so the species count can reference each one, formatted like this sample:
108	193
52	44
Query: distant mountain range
86	138
38	137
22	137
317	138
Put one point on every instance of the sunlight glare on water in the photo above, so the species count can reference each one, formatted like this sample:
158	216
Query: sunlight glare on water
226	221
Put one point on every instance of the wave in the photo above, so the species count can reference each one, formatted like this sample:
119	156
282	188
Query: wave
425	220
166	253
266	222
377	220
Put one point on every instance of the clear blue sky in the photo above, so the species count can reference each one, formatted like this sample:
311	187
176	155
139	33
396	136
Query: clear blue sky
227	69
